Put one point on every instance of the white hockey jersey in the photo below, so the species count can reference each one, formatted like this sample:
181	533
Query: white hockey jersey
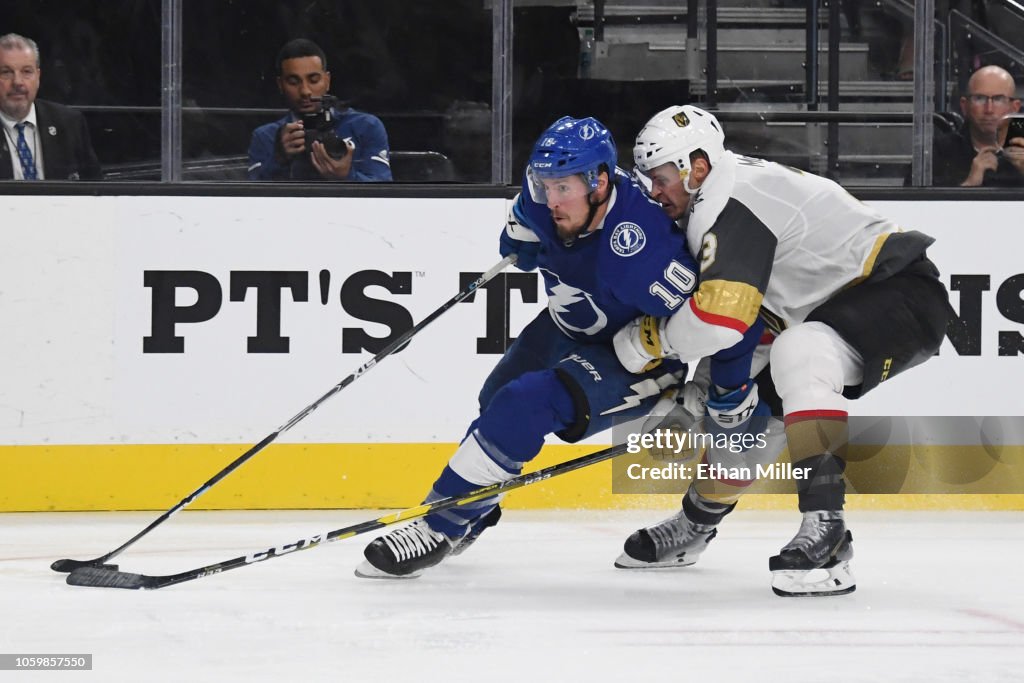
777	242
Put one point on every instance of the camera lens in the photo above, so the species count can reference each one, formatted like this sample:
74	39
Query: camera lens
334	145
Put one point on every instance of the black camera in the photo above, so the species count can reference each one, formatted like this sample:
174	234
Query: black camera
319	127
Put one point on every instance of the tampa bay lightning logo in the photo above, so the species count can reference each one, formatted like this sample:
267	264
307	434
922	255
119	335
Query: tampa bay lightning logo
587	132
628	239
573	309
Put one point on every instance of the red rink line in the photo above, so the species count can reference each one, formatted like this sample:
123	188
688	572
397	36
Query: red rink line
989	616
805	644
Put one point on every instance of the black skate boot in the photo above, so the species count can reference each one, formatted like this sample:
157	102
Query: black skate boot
677	541
477	528
823	542
405	553
674	542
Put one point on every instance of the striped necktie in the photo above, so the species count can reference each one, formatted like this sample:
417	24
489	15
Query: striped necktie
28	164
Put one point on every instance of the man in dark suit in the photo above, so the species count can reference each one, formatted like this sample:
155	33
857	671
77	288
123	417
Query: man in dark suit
41	140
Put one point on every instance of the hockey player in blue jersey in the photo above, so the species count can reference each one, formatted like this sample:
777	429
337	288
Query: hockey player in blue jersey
607	254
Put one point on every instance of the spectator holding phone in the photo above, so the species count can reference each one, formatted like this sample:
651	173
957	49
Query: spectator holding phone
1014	149
988	150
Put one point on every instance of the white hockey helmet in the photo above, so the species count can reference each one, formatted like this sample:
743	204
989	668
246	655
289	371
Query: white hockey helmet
672	135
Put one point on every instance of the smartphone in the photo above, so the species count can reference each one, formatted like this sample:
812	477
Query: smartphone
1016	127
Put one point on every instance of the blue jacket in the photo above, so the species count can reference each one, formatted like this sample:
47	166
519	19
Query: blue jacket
369	161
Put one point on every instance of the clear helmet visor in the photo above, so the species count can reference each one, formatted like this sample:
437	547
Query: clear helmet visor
642	180
660	182
664	177
563	189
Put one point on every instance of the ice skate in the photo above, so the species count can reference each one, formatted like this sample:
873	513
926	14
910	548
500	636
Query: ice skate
816	562
674	542
405	553
477	528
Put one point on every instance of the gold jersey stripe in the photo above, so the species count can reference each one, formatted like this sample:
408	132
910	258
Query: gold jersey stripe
736	300
869	262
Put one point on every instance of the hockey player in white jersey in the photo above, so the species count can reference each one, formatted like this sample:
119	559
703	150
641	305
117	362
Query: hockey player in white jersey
853	299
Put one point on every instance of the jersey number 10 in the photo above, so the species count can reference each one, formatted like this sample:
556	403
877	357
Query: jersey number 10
680	277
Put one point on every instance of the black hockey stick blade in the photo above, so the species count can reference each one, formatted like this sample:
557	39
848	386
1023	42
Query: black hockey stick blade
104	578
68	565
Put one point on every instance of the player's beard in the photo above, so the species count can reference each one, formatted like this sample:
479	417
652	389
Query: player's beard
569	233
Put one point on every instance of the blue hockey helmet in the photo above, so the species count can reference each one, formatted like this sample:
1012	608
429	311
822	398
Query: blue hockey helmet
571	147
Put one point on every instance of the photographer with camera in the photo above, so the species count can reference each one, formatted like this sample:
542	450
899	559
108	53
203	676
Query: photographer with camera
988	150
318	139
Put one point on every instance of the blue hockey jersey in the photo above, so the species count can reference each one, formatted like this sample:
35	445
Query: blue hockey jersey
636	262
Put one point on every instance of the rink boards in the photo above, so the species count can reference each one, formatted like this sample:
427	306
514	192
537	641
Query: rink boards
150	341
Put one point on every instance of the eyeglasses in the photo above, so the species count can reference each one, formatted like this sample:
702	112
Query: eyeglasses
982	100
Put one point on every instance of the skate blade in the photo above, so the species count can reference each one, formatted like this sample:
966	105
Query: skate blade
367	571
797	583
624	561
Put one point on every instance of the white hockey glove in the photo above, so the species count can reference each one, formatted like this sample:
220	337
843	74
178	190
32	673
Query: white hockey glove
640	344
672	421
518	239
694	398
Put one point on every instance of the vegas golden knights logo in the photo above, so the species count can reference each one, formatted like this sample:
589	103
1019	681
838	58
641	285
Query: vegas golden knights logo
681	119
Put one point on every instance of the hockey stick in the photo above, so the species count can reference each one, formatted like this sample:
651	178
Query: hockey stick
102	577
67	565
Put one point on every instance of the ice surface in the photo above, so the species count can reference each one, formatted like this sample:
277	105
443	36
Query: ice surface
537	599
